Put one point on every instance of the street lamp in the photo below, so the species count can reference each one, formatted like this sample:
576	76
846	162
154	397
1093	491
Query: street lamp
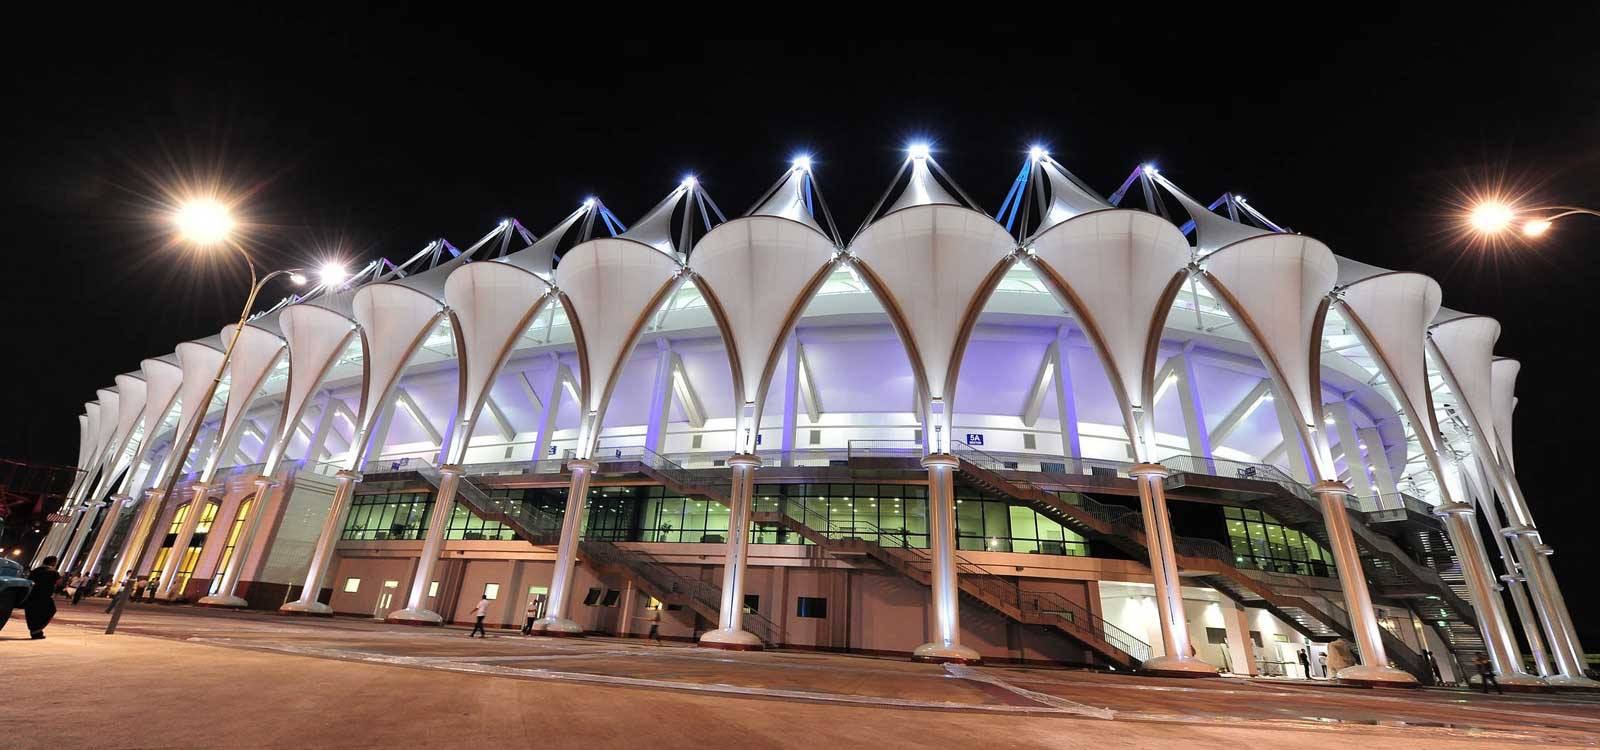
1492	217
207	223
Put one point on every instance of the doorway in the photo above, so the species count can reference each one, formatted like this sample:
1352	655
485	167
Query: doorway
385	600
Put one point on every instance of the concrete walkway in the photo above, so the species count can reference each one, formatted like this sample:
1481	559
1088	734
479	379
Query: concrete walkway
185	677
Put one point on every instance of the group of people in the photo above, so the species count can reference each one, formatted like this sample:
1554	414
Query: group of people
536	609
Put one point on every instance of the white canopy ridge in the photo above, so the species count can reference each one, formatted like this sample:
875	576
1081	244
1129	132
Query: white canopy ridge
1274	286
395	320
1390	312
89	456
1068	198
255	354
1466	344
932	264
1117	270
316	336
1212	231
757	274
200	361
163	380
1504	374
539	257
132	393
107	427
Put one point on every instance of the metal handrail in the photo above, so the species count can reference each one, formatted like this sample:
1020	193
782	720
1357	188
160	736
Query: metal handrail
673	582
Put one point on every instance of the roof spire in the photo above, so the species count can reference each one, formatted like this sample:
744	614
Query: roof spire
656	228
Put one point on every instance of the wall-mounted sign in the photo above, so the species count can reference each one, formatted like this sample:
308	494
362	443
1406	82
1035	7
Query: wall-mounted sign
974	438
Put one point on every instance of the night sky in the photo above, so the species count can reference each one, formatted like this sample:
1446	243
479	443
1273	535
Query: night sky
367	136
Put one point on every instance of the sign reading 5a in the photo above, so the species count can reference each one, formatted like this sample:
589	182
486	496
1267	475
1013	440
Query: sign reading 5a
974	438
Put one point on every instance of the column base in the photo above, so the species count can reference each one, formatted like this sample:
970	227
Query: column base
1177	666
314	609
1362	675
233	602
1562	682
1523	683
731	640
409	616
556	627
939	653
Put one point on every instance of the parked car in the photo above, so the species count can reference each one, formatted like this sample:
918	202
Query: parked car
14	587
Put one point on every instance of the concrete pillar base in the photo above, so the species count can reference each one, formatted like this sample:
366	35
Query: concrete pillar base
1171	666
1522	683
1362	675
1562	682
556	627
410	616
939	653
232	602
731	640
317	609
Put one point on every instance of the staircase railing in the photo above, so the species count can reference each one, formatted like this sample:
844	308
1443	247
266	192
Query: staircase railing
671	582
1039	603
533	525
699	481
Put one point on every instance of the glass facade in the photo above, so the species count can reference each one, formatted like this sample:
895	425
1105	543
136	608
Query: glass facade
197	542
234	529
1260	542
388	516
893	515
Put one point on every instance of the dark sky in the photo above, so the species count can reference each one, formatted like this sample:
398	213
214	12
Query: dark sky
372	134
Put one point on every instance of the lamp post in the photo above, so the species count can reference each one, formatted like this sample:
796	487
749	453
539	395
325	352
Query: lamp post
206	223
1495	217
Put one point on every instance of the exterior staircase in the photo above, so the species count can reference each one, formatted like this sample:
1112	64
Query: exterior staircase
1045	608
1122	528
1393	572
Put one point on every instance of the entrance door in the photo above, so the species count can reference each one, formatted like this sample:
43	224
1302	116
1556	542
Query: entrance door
385	599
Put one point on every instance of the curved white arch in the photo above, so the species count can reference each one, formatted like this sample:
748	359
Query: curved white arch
255	353
1466	344
491	305
1273	286
1391	312
757	274
610	286
933	267
1117	270
395	319
1503	373
316	335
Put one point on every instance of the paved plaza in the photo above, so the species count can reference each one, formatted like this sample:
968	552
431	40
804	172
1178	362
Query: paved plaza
186	677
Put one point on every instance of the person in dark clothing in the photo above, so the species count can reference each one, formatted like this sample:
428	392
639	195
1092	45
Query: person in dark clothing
40	606
122	593
1305	663
1433	666
84	584
1486	674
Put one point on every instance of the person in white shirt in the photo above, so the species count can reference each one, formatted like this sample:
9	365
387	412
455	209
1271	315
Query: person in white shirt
532	614
481	611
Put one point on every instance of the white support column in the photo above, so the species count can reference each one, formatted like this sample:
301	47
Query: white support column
1241	651
1067	404
1461	524
1360	481
552	407
1568	661
1194	416
227	594
655	430
1374	669
180	544
1294	452
444	503
1514	579
108	525
1562	614
87	515
946	592
322	555
555	621
730	633
133	547
1378	459
1176	661
791	398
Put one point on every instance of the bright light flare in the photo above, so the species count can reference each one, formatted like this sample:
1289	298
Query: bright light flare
1535	227
298	279
689	182
1491	217
919	150
1037	152
204	221
332	274
801	163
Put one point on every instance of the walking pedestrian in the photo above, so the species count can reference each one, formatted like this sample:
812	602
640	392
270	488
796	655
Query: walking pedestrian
532	613
84	583
138	588
1433	666
1305	663
481	611
41	604
1486	673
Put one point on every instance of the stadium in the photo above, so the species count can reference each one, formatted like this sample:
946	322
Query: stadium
1134	432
